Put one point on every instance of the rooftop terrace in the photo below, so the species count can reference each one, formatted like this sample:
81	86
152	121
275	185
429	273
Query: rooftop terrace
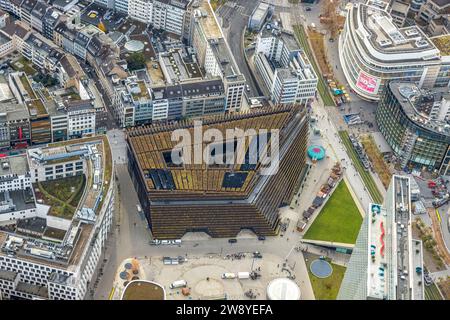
66	248
374	27
379	269
208	21
411	100
443	44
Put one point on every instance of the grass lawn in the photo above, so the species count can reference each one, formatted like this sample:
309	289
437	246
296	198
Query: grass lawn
27	67
365	175
328	288
59	196
62	188
339	220
432	293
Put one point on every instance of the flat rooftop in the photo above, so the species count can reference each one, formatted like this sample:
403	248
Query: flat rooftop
260	10
152	147
225	59
18	200
14	165
94	13
378	260
413	102
5	91
178	68
402	220
56	247
207	20
386	38
443	44
287	37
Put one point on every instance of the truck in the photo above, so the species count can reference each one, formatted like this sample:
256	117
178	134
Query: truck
228	275
178	284
243	275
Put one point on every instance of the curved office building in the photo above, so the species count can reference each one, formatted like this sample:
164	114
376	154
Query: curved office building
413	122
372	50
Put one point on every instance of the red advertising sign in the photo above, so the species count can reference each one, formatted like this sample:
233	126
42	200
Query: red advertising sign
367	83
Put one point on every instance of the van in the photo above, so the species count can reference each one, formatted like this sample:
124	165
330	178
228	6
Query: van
178	284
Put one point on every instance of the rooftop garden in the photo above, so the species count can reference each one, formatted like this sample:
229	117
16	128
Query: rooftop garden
45	79
63	195
339	220
37	105
54	233
106	154
443	44
71	95
144	91
24	65
27	86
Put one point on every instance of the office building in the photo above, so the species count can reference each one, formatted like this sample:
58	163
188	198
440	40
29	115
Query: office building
285	69
414	123
219	199
373	50
214	54
53	252
386	263
259	15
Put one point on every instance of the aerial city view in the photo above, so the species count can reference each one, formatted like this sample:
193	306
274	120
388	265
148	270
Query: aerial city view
236	150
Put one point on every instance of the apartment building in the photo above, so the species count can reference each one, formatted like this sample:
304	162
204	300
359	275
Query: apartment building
214	54
141	10
15	125
55	257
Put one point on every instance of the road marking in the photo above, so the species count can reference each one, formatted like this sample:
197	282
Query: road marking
112	293
438	215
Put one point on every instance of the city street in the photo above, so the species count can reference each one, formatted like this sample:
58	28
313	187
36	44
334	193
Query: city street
234	21
131	235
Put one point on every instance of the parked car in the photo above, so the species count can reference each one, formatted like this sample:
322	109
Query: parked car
261	238
232	240
308	9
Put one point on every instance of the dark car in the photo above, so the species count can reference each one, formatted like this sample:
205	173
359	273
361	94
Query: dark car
308	9
232	240
262	238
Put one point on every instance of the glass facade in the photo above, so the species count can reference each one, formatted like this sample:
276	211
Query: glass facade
420	146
